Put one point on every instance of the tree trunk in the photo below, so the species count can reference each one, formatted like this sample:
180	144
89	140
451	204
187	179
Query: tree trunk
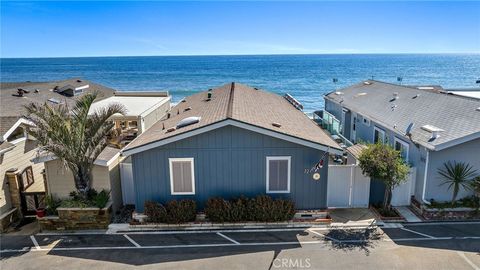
387	199
82	181
455	193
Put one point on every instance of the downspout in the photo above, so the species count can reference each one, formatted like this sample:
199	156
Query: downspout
425	179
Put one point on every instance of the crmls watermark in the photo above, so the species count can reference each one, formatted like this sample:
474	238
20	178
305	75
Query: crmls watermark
292	263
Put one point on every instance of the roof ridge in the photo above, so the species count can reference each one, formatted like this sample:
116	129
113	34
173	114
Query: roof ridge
230	101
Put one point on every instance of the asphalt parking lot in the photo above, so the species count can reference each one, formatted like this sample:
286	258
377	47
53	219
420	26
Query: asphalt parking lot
419	246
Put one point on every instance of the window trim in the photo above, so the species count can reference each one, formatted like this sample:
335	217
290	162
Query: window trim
375	128
289	160
402	142
170	163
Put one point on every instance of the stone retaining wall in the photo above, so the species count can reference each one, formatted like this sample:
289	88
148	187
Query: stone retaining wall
78	219
445	213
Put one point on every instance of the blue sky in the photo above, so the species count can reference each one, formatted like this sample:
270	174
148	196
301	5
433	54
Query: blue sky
56	29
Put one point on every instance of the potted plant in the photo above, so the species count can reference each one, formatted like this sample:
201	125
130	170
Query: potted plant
40	212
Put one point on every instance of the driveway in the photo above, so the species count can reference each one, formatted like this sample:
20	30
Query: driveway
431	246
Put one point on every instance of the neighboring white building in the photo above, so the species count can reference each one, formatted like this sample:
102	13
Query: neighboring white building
143	109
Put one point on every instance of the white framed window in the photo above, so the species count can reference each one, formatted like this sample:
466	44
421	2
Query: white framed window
182	176
278	174
403	147
378	135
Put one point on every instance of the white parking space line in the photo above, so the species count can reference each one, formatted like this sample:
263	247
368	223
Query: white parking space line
228	238
419	233
323	235
37	246
461	254
131	240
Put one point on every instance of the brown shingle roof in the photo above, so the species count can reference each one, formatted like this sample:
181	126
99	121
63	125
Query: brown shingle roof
6	123
241	103
12	106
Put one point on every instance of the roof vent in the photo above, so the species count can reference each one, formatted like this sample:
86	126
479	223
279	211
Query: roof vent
360	94
416	96
367	83
36	90
434	130
339	93
187	109
478	109
209	95
79	80
275	124
171	129
188	121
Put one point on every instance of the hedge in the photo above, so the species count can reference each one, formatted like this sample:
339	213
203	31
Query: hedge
173	212
262	208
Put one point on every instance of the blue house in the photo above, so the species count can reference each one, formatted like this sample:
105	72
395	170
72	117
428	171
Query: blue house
428	125
231	141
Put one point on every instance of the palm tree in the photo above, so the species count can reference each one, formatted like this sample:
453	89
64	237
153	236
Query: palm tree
73	136
456	175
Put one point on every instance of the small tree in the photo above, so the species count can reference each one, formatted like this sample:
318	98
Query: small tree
456	175
73	135
475	185
382	162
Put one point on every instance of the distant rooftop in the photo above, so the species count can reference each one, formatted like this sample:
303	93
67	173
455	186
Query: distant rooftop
135	105
396	106
466	92
41	92
12	103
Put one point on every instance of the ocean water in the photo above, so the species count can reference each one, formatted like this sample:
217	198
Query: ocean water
306	77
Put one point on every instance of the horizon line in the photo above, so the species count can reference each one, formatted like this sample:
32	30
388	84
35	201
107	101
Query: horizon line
260	54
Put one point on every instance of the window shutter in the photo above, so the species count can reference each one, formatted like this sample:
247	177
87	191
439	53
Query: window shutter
278	175
181	176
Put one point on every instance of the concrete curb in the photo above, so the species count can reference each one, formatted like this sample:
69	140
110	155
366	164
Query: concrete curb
126	228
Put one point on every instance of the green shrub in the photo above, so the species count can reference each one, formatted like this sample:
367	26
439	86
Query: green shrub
216	209
51	205
283	210
101	199
156	212
93	199
469	201
71	203
262	208
238	210
181	211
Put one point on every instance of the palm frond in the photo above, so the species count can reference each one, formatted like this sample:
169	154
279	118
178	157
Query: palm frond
74	136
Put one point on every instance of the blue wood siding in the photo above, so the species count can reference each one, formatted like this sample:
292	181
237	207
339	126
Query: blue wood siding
229	162
364	133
